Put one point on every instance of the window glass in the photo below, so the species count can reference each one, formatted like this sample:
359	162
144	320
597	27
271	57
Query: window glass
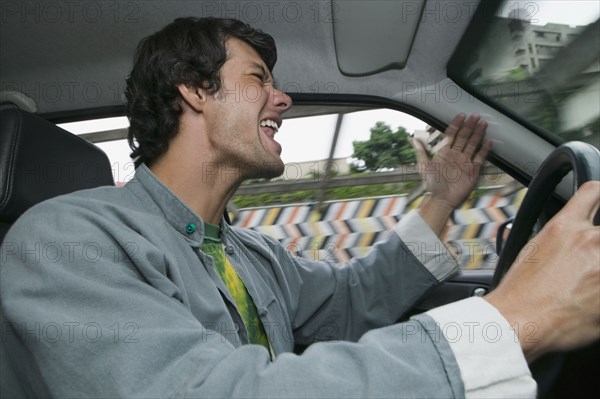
540	60
110	135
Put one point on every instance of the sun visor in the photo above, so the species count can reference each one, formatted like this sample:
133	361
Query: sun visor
374	35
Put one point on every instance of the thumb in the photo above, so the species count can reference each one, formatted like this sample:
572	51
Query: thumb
586	201
584	204
421	152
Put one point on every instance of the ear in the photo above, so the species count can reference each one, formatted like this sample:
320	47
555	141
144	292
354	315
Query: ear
194	97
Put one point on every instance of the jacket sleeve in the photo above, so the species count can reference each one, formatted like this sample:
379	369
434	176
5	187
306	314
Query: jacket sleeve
342	302
80	321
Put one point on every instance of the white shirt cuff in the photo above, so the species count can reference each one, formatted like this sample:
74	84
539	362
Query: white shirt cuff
425	245
486	349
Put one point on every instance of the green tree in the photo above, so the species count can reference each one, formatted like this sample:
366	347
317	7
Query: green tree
385	149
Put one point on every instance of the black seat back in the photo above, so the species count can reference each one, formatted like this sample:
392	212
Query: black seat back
39	160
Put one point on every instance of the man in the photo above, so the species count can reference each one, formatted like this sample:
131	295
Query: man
175	302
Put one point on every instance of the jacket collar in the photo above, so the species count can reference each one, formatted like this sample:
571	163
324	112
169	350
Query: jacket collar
154	194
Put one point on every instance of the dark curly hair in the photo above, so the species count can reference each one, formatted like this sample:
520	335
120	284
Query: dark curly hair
188	51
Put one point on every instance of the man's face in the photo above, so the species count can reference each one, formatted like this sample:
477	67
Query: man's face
244	116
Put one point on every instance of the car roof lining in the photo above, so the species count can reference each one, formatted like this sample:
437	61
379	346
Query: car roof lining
47	61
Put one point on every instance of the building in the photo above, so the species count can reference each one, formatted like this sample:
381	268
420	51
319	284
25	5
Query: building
531	47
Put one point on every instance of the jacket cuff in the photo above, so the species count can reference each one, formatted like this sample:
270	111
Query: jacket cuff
425	245
486	348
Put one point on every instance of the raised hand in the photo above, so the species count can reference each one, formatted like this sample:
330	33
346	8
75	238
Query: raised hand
453	172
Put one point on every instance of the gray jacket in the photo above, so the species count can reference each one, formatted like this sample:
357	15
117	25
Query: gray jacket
105	293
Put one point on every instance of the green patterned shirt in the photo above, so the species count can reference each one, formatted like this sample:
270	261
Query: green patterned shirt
213	246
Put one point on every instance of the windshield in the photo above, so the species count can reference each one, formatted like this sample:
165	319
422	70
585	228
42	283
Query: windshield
539	61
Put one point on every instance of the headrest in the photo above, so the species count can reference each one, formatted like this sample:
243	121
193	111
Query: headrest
39	160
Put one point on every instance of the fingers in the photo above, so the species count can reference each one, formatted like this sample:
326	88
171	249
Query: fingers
466	134
463	130
454	126
473	143
483	152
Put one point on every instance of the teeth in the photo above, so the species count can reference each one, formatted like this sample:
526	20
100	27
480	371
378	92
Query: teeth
270	123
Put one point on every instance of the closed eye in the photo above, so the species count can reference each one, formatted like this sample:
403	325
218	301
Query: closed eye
260	76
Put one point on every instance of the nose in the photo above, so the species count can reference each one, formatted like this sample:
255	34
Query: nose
282	101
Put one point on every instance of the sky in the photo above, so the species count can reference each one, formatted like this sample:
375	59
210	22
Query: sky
572	12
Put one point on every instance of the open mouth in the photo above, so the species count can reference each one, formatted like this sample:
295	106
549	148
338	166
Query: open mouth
269	127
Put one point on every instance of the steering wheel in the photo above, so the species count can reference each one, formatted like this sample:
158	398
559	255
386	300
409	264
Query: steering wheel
584	160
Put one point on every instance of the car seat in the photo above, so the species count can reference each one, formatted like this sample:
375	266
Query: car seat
38	161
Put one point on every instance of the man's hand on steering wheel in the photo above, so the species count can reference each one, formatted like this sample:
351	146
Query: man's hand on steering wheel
551	295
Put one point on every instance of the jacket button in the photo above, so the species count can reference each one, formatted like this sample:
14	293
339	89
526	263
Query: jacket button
262	312
190	228
229	249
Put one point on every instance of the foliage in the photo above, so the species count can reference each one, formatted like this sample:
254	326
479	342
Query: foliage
257	200
516	74
338	193
385	149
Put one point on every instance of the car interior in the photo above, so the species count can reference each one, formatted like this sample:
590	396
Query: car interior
534	79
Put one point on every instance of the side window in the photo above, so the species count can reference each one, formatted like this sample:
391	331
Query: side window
349	177
110	135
